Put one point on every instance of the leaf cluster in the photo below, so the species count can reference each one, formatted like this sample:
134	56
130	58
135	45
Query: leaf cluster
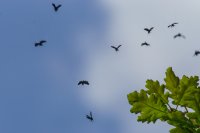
176	102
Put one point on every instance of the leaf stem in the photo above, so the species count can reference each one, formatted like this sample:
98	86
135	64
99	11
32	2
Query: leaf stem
186	109
170	107
165	102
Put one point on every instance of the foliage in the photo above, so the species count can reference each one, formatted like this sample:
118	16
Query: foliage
176	102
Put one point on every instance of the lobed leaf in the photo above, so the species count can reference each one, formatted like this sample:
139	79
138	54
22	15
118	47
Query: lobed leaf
154	87
150	107
153	103
171	80
179	130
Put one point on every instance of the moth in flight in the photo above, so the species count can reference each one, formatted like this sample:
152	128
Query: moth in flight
179	35
90	117
40	43
56	7
83	82
145	44
196	53
172	25
149	30
116	48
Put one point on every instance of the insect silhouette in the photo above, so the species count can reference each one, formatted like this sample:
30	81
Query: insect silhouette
172	25
149	30
83	82
40	43
145	44
196	53
56	7
116	48
90	117
179	35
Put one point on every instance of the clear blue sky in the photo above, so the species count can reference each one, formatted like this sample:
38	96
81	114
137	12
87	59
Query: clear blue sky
38	88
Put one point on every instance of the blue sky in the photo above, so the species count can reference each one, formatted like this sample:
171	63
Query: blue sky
39	91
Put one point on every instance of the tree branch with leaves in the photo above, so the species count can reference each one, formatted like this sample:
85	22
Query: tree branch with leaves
176	102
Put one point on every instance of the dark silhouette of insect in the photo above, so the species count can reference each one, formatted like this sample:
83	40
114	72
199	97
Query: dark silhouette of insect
83	82
196	53
116	48
172	25
145	43
179	35
148	30
90	117
40	43
56	7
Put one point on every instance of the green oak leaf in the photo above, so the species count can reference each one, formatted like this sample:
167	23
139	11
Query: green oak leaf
194	118
178	119
189	93
172	82
179	130
150	107
154	87
158	100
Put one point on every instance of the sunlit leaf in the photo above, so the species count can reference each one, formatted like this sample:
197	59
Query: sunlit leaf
177	102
